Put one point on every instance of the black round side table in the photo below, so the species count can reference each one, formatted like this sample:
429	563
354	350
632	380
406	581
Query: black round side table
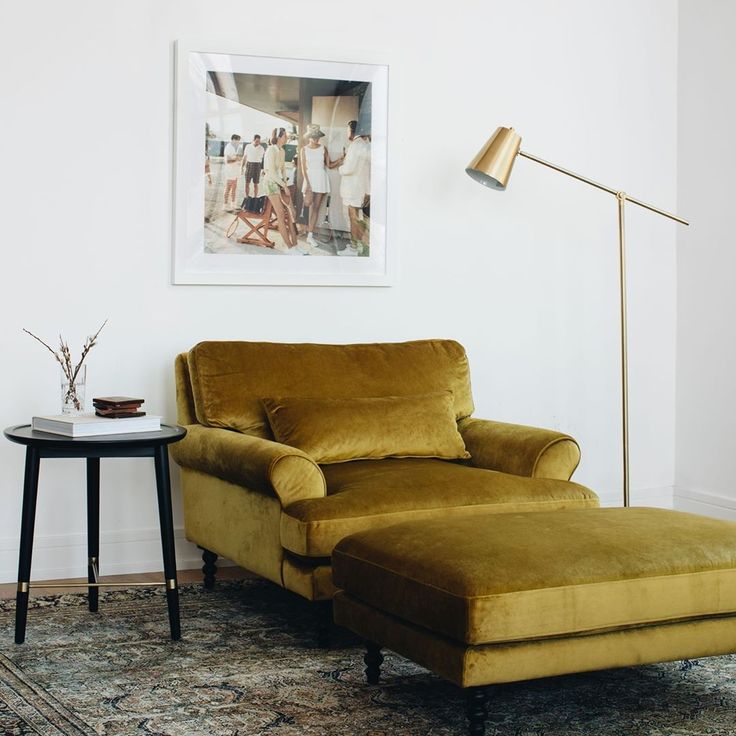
134	444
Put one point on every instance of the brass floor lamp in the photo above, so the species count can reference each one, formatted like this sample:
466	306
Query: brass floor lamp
492	168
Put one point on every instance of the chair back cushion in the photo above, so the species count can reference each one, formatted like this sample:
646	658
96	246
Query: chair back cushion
230	379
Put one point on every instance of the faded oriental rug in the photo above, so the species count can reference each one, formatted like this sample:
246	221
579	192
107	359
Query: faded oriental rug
248	664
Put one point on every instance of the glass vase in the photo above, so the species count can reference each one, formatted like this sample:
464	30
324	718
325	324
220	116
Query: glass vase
72	392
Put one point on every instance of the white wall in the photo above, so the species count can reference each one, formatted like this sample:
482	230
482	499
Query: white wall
527	280
706	342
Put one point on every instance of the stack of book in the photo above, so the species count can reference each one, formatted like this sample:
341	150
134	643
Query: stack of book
118	407
113	415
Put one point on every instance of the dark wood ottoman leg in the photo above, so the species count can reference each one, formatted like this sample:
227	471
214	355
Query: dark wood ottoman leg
373	660
476	710
324	624
209	569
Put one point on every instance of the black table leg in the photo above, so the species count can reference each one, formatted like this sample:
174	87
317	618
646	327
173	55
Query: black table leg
163	488
28	520
93	529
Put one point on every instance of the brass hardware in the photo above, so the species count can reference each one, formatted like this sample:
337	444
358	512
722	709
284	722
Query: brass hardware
492	168
171	584
598	185
23	587
95	570
493	163
621	199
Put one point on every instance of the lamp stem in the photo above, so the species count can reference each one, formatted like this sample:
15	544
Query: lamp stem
621	200
605	188
572	174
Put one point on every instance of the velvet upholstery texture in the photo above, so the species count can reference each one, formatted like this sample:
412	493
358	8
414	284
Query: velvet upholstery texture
339	430
257	463
511	577
368	494
258	502
311	579
241	524
490	664
184	397
520	450
229	379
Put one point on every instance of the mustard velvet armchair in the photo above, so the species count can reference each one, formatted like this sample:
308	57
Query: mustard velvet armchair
274	511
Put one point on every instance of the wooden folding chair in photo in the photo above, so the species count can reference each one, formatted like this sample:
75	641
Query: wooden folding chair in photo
258	225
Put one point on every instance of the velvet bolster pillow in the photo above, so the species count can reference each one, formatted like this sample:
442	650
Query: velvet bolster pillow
338	430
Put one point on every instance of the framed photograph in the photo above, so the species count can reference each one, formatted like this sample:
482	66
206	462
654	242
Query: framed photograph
280	170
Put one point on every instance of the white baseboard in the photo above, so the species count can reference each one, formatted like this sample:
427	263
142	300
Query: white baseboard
58	556
707	504
661	498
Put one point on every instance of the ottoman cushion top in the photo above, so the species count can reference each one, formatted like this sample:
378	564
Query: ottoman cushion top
509	577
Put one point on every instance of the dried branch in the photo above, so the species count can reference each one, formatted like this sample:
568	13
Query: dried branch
64	356
49	348
89	343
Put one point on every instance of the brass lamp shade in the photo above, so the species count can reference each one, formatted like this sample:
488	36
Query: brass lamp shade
492	166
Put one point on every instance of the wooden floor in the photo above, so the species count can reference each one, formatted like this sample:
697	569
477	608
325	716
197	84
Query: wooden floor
8	590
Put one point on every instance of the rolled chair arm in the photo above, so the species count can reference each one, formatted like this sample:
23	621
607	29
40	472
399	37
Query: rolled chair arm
252	462
520	450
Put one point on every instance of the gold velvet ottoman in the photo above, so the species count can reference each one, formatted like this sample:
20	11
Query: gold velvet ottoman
506	597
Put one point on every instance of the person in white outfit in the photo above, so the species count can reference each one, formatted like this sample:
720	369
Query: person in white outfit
232	155
314	162
253	164
355	188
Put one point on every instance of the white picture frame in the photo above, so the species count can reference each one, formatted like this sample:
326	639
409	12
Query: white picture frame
212	89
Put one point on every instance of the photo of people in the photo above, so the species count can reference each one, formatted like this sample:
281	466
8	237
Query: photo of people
287	166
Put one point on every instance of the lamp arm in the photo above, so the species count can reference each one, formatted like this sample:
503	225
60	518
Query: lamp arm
603	187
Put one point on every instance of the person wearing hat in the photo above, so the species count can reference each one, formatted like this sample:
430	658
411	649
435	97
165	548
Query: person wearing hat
314	162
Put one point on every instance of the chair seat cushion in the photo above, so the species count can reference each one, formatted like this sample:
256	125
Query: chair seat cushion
375	493
510	577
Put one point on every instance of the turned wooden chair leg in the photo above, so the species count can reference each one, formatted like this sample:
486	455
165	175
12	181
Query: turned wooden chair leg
324	624
476	710
209	568
373	660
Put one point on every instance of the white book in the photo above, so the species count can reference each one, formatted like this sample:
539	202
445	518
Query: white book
89	425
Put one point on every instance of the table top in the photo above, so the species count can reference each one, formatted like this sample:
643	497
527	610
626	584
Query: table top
24	435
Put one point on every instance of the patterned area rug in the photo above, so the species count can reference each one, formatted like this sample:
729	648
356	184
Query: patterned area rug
248	664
